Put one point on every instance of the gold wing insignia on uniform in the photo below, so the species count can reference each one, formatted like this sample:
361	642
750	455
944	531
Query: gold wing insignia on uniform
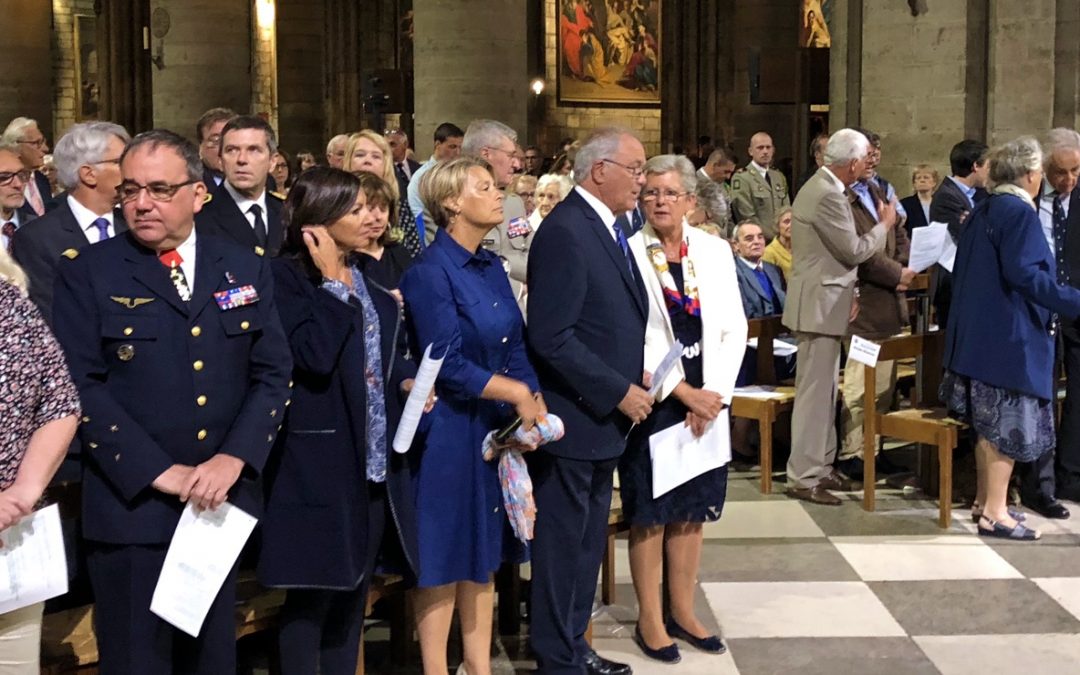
279	195
70	254
260	251
130	303
206	200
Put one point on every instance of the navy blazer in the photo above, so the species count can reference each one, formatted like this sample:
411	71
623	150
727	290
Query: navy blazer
221	217
1004	290
586	333
314	534
165	382
40	244
948	206
755	299
916	217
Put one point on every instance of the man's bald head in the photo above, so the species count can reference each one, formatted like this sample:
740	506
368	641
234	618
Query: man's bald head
761	149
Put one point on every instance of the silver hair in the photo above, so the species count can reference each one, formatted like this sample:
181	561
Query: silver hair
601	144
83	144
711	197
661	164
1060	139
742	224
340	138
485	134
17	128
562	182
1009	162
846	145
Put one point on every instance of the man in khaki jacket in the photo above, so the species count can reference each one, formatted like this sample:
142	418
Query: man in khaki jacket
821	301
759	192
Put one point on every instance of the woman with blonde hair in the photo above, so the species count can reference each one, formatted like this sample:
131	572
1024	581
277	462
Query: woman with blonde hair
778	252
368	151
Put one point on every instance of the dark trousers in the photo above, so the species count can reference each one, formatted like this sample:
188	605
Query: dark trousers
320	629
1067	464
133	640
573	498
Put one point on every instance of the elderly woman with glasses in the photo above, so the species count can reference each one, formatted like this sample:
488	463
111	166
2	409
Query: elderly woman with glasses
693	298
999	346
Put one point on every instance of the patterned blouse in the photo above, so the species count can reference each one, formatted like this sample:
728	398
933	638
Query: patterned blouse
35	386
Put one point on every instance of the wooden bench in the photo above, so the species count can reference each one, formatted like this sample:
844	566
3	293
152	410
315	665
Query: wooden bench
765	410
616	524
926	425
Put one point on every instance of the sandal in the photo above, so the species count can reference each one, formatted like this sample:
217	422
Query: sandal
1021	532
1016	514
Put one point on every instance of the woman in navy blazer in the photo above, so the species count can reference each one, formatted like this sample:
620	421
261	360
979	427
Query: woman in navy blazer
999	347
334	486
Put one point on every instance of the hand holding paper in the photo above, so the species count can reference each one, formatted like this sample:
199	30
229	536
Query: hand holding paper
426	375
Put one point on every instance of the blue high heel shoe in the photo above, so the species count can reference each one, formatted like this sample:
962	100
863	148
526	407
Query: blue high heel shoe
668	654
711	644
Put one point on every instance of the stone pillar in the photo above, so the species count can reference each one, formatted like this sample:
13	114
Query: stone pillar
205	61
470	61
301	74
264	70
26	75
1020	94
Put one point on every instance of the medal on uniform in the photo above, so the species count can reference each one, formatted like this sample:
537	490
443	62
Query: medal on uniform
125	352
236	297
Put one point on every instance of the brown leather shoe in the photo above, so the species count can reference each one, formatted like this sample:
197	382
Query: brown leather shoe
839	482
816	495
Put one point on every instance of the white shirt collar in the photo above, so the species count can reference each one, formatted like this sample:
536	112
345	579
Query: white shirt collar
85	218
600	207
752	266
760	169
187	255
836	181
243	203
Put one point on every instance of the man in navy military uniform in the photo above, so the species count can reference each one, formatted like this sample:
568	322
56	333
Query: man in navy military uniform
242	208
174	342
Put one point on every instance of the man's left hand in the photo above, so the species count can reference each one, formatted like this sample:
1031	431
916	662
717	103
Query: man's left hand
209	484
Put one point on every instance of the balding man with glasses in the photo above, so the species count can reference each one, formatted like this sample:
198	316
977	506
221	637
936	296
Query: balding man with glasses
23	133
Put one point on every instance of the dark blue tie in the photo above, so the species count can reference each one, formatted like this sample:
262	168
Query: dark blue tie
1060	220
102	225
260	225
620	237
767	286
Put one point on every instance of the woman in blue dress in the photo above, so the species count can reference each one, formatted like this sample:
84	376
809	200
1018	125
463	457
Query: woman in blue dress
458	300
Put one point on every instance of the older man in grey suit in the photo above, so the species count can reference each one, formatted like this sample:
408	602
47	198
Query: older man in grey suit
821	301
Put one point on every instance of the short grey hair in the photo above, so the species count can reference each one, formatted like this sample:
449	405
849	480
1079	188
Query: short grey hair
846	145
485	134
83	144
562	182
336	140
711	197
17	128
601	144
679	164
1059	140
1009	162
743	223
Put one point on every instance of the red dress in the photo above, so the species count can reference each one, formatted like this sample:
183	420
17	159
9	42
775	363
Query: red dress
571	37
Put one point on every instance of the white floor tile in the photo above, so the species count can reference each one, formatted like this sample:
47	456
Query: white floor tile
917	558
1003	654
799	609
693	662
761	520
1066	590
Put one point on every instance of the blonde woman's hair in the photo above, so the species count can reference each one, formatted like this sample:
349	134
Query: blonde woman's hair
388	159
444	181
11	272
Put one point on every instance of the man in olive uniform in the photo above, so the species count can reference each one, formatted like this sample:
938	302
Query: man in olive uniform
759	192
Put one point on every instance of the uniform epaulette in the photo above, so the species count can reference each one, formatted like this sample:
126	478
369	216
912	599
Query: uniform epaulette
70	254
260	251
208	198
279	195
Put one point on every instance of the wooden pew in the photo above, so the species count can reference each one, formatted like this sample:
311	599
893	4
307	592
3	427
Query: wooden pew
927	425
765	411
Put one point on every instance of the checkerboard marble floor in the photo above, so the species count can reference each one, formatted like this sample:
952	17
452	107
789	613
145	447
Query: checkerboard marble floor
800	588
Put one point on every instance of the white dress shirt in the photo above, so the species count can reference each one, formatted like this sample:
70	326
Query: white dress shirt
762	170
85	218
606	216
1046	214
187	257
245	206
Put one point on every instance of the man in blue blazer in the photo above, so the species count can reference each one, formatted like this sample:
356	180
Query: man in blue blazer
587	313
183	370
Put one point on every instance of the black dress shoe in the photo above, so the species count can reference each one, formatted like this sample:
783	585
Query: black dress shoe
598	665
1048	508
711	644
668	654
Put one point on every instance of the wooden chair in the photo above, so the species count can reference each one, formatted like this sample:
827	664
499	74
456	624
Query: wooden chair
765	411
927	425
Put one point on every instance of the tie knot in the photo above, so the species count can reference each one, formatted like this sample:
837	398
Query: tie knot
170	258
256	210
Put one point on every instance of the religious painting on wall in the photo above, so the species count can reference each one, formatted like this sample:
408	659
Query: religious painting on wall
608	52
814	24
87	86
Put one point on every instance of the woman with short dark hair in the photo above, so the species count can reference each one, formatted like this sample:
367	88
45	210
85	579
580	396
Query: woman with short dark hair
381	257
333	486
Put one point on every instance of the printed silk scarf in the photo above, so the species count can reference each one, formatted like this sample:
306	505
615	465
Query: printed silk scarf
688	299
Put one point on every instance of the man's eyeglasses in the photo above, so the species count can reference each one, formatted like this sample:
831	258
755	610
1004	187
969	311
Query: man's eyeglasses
666	195
7	176
511	153
635	171
39	143
160	192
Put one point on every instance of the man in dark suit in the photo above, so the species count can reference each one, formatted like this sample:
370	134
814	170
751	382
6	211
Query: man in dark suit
1057	474
587	314
88	165
404	166
760	283
208	135
182	390
242	209
952	203
25	134
14	211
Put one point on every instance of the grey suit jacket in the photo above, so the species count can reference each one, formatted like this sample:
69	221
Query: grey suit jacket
826	253
756	300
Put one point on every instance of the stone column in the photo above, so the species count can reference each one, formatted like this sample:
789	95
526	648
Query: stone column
1020	96
25	77
470	61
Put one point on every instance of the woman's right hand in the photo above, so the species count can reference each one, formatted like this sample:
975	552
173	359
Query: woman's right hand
325	253
702	402
529	407
13	508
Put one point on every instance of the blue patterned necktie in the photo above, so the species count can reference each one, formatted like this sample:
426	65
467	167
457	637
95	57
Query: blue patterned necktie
102	225
1060	219
620	237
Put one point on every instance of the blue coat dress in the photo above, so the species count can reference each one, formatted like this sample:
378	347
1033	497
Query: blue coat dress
462	305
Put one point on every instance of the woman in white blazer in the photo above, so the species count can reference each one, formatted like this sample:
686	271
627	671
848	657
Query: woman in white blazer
693	297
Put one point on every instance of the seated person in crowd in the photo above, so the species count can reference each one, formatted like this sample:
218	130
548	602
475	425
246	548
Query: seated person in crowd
924	179
778	252
713	211
551	188
524	185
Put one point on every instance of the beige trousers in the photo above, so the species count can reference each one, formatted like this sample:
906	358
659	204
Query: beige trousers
813	432
20	641
853	413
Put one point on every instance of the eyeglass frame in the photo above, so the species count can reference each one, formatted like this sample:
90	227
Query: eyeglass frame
172	188
7	177
636	172
39	143
655	195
